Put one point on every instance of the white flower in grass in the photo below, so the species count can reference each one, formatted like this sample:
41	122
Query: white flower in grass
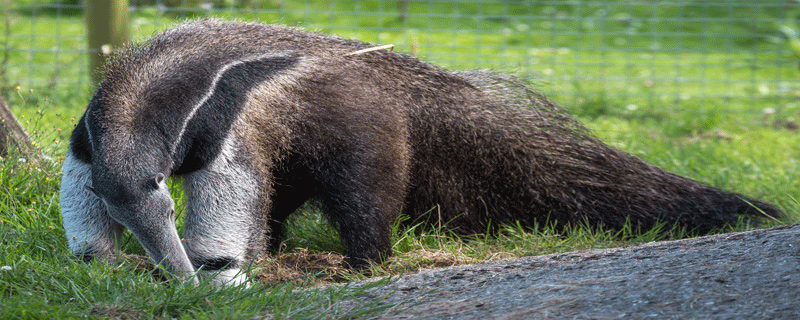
5	268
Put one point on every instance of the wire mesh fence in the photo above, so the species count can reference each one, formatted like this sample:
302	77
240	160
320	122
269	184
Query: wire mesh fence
631	54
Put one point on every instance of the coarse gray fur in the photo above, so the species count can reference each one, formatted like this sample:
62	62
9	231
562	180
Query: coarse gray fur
258	119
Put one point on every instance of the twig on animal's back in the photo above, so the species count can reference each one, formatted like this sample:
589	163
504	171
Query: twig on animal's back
386	46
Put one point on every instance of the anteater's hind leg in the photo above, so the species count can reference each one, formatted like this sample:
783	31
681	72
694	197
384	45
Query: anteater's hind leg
362	196
363	224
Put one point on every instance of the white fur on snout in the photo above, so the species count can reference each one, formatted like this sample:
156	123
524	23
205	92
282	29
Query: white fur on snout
86	223
222	203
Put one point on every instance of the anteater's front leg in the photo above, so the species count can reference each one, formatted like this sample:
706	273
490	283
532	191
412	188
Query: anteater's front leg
90	230
225	221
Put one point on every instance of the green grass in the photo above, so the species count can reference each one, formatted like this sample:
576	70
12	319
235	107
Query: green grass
702	110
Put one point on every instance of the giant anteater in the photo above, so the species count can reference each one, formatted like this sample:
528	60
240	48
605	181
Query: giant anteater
258	119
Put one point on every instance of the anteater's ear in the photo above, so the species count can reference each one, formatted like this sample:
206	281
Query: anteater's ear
158	179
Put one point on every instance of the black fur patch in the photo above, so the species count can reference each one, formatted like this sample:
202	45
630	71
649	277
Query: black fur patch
207	130
79	142
214	264
86	257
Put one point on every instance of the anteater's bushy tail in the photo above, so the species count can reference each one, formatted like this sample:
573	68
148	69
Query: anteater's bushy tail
518	157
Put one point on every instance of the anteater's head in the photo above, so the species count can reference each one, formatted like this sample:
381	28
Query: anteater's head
129	169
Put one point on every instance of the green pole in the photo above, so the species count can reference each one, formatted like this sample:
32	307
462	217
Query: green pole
108	28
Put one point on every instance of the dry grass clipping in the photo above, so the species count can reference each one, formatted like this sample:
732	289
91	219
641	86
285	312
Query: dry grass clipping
319	268
297	267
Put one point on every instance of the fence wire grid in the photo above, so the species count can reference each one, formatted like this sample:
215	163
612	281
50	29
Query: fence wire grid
630	54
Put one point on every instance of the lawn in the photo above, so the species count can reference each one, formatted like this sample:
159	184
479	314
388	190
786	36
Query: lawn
722	110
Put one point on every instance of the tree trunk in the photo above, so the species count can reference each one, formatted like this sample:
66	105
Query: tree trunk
12	134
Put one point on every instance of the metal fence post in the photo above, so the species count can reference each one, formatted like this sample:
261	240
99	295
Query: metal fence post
108	28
